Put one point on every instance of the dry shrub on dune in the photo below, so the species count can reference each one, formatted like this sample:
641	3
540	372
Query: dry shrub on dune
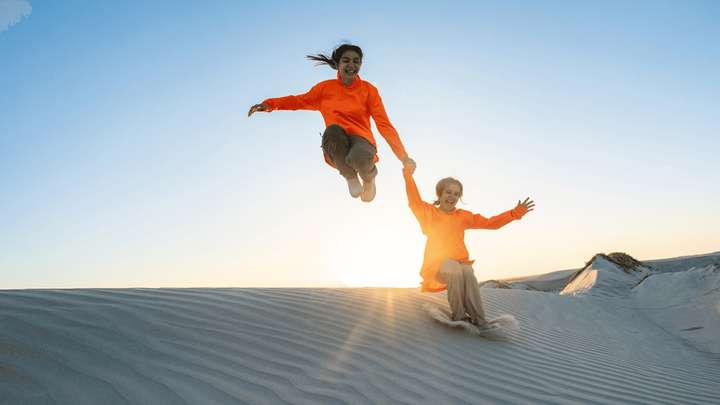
623	260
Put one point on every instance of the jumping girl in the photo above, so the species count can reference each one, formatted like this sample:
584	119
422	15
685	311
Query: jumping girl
446	264
346	104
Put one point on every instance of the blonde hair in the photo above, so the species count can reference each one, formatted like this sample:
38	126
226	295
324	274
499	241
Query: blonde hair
442	184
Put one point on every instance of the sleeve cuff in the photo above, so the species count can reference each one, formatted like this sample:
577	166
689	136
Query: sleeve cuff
518	212
270	104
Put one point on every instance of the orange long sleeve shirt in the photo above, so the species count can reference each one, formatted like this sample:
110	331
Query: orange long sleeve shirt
445	232
348	106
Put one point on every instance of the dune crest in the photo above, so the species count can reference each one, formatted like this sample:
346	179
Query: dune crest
607	275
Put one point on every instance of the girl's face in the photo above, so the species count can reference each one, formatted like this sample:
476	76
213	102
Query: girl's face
349	66
449	197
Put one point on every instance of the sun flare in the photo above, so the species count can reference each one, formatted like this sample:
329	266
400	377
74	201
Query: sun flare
392	264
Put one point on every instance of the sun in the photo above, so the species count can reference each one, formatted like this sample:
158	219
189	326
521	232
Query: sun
391	264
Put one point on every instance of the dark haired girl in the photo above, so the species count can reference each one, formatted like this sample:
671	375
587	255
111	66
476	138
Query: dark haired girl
346	104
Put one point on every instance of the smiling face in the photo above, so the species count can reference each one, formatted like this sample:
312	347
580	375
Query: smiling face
349	66
449	196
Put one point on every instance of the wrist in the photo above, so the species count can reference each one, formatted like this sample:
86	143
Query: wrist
519	211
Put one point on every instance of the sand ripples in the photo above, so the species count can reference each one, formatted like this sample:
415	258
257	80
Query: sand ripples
226	346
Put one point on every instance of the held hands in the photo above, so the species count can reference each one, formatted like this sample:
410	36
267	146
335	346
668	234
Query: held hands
258	107
409	165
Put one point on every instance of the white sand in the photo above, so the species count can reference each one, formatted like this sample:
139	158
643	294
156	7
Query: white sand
323	346
554	281
604	278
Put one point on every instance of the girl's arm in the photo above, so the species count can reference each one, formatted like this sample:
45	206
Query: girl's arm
382	122
477	221
307	101
422	210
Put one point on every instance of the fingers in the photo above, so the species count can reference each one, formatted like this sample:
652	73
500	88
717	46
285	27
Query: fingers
256	108
527	203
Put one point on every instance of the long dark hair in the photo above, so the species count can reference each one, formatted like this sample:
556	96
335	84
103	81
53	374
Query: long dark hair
334	59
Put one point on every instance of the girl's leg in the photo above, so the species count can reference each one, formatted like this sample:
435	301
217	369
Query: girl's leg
336	145
361	157
451	274
473	302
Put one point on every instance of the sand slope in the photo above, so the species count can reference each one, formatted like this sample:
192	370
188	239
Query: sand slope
226	346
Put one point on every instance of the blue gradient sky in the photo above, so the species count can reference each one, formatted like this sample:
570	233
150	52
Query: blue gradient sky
126	158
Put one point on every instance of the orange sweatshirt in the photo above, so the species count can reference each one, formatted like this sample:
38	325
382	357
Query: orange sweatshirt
445	232
348	106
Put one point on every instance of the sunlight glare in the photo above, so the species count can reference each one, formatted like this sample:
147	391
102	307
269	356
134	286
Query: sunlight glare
393	263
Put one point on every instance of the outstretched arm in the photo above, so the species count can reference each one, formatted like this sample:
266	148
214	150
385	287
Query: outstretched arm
307	101
422	210
387	130
413	195
478	221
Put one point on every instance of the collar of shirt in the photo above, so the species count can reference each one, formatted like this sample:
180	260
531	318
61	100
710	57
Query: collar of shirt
355	83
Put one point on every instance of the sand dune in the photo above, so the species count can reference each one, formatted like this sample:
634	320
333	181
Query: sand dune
310	346
685	304
550	282
602	277
684	262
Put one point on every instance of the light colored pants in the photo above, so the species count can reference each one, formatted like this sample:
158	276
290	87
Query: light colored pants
463	292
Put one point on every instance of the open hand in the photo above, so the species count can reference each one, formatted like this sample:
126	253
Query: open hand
528	204
258	107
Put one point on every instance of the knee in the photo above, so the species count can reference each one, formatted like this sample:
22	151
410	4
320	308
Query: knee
333	137
360	156
469	275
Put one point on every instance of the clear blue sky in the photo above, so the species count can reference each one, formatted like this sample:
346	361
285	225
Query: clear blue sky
126	158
